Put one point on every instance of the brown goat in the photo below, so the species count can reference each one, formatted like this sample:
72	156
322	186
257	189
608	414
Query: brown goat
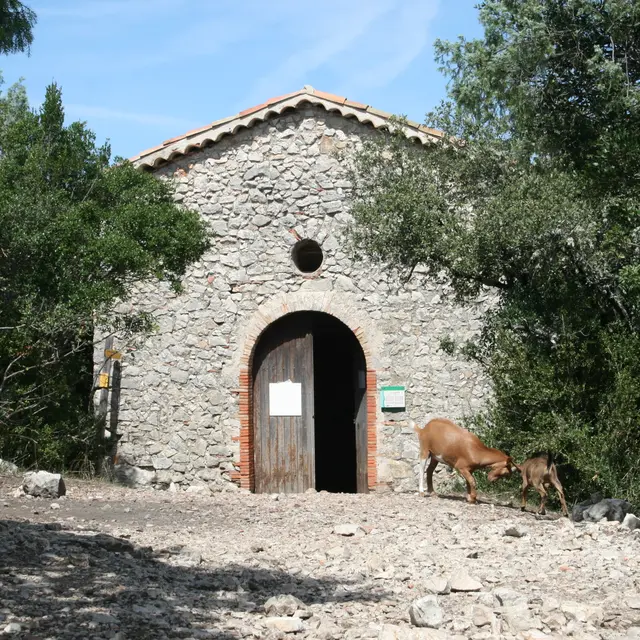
442	440
540	472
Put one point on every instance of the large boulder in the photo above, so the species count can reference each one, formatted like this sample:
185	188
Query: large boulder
464	582
593	510
42	484
283	605
631	521
8	468
426	612
579	509
611	509
132	476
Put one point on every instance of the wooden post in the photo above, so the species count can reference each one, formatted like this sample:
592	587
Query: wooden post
104	380
114	413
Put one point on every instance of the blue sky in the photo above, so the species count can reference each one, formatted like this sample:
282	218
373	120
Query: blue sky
141	71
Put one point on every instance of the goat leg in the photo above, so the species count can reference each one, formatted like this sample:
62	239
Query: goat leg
558	488
423	467
543	499
525	490
471	485
433	463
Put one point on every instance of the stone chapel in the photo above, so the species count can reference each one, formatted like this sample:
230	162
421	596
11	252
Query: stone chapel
283	365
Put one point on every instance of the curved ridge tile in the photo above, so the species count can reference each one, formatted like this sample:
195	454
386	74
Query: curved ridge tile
195	139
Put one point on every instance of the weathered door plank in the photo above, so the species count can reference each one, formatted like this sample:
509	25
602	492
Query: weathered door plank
284	445
360	419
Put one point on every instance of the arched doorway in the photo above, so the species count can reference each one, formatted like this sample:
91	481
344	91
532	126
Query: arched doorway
309	406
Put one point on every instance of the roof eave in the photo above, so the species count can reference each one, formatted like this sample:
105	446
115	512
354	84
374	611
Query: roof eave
210	134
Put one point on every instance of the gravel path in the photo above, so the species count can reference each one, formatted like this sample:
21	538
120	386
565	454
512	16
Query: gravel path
110	562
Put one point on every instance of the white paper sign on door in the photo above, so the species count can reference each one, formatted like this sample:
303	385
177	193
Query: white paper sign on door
285	398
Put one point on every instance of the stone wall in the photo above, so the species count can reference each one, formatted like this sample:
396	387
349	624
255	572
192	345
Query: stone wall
260	190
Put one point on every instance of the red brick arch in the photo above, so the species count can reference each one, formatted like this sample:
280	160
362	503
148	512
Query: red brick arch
261	321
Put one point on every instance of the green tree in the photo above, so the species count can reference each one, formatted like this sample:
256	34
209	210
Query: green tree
76	234
16	26
534	194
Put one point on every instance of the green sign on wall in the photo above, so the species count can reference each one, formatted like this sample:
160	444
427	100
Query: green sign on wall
392	398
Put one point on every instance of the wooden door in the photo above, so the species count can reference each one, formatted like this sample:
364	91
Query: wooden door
284	446
360	421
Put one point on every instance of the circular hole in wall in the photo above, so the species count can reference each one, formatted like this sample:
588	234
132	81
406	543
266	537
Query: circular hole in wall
307	255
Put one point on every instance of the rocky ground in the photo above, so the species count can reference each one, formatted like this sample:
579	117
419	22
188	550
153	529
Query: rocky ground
110	562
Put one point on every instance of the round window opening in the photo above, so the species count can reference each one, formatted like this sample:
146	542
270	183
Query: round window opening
307	255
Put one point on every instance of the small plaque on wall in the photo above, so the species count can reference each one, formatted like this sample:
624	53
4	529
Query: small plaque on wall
285	398
392	399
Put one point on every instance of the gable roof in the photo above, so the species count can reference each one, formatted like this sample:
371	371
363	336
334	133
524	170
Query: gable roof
211	133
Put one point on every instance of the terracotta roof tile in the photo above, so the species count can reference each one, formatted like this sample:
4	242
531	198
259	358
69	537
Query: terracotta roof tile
212	132
431	131
284	96
193	132
355	105
217	123
377	112
415	125
250	110
148	151
329	96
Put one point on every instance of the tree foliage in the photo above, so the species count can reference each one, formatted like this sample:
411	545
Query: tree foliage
76	234
16	26
534	194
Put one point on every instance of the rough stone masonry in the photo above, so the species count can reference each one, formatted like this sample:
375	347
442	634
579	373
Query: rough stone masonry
262	189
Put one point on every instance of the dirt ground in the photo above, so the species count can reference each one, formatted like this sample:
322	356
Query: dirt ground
111	562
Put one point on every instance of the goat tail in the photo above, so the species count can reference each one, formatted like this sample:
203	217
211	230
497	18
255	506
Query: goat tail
414	426
549	459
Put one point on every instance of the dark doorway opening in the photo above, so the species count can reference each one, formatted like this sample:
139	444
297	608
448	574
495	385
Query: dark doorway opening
335	362
325	445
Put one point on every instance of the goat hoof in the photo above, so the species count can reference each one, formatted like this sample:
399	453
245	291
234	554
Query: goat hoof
421	494
523	508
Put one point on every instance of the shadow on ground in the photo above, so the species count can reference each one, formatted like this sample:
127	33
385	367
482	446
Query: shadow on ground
461	497
63	583
506	504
